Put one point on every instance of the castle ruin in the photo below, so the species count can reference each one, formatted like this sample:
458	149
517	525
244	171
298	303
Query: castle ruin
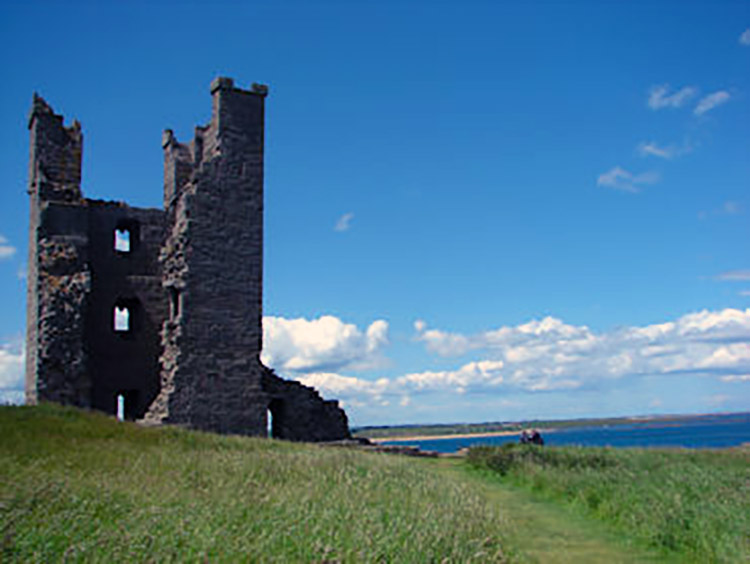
161	308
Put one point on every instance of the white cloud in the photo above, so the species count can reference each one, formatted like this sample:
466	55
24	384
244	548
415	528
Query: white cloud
736	378
6	249
653	149
734	276
620	179
745	37
473	374
550	354
539	356
344	222
711	101
729	207
321	345
442	343
345	385
11	373
659	97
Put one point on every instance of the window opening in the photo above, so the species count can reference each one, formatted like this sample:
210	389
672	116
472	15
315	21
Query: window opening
122	318
122	240
120	407
175	301
269	423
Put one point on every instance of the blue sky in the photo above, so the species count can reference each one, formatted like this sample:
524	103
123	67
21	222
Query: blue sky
474	211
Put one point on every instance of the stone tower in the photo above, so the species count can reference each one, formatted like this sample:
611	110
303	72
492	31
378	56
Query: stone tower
58	279
161	309
212	264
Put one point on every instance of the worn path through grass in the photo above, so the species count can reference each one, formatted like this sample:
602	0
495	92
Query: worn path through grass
547	533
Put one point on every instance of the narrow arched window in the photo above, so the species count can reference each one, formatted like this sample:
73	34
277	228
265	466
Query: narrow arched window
175	303
122	318
125	316
126	236
122	240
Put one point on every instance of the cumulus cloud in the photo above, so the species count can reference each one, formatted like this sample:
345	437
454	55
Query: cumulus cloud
443	343
474	374
745	37
659	97
550	354
711	101
539	356
6	249
321	345
344	222
346	386
11	373
620	179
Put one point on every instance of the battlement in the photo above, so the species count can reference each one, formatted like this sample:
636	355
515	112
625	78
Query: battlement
227	84
234	133
56	155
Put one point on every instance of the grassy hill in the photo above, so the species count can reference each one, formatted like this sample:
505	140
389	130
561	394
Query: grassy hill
81	486
78	486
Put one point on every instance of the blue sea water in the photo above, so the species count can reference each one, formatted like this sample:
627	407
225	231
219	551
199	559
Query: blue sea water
708	431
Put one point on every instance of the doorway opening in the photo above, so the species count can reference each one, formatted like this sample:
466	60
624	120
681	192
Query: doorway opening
275	419
126	405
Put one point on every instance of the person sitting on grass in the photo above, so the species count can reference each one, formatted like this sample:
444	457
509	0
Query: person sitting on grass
532	437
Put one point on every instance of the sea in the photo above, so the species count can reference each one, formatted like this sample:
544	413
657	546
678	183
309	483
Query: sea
705	431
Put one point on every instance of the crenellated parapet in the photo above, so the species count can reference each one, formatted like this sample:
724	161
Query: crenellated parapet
56	155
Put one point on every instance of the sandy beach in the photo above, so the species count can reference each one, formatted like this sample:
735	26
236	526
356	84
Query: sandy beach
453	436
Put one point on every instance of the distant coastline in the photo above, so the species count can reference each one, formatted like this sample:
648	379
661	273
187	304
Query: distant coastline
703	431
401	439
404	433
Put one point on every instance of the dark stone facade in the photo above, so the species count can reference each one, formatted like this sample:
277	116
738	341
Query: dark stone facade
161	308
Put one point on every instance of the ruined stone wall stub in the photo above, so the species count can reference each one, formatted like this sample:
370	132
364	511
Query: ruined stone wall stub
190	277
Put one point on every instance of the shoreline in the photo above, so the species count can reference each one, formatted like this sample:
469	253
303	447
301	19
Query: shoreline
442	437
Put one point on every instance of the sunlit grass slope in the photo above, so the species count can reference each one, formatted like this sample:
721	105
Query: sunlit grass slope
694	503
80	486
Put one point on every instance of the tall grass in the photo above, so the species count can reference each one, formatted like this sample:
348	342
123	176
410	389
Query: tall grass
83	487
690	502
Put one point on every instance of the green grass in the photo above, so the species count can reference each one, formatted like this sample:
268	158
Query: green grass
83	487
690	503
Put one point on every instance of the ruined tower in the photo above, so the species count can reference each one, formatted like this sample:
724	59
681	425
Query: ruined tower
161	309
